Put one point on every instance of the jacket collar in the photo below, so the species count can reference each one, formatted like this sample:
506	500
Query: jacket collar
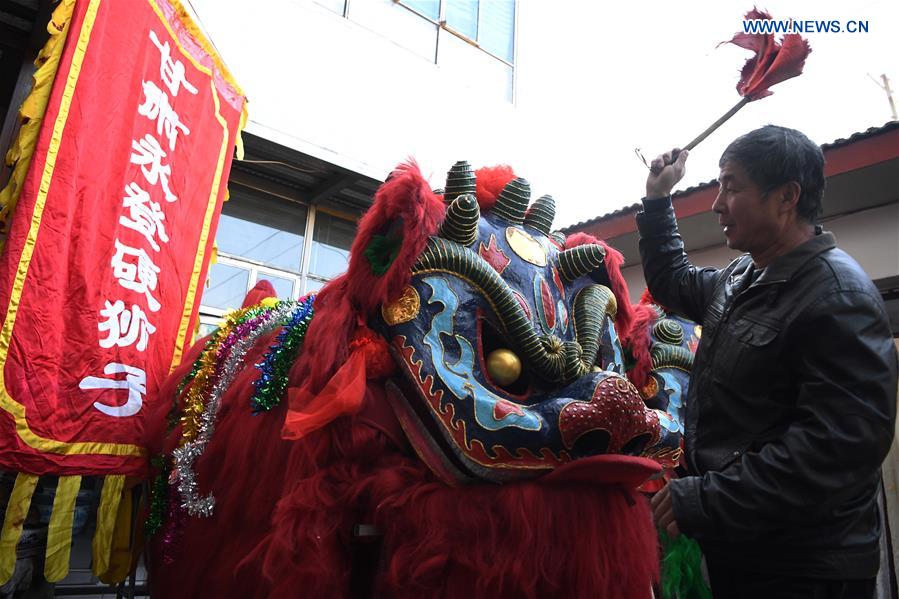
784	267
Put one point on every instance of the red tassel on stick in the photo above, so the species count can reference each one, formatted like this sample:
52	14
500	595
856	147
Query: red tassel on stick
772	63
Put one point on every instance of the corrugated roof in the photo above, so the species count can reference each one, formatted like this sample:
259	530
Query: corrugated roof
635	207
303	177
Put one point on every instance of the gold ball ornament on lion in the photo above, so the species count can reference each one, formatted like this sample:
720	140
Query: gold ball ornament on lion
503	366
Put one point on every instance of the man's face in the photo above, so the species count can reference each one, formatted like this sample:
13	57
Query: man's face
750	218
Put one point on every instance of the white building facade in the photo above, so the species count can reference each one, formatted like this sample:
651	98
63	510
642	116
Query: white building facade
340	92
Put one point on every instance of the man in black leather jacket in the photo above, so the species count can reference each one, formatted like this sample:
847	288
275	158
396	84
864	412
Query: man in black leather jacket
792	402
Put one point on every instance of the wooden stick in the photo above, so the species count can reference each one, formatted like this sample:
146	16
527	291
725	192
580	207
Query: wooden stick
716	124
743	102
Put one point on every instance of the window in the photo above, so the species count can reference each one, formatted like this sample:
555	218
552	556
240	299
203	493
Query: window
462	17
338	6
479	34
228	284
490	24
426	8
264	229
331	243
261	236
496	30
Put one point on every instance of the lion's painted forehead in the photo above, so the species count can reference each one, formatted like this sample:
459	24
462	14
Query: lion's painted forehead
510	257
507	341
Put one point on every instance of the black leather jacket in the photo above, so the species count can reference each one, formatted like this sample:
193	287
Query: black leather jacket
791	407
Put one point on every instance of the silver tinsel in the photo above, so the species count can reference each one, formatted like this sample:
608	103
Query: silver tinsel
186	456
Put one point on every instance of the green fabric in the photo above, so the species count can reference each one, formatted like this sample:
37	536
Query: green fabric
381	251
682	569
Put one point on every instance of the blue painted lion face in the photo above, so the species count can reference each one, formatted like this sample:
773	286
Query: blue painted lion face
511	365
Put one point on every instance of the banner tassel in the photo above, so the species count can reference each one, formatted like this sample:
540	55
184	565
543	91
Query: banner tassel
16	512
110	498
59	532
120	555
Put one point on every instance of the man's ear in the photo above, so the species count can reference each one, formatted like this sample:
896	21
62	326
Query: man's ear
788	196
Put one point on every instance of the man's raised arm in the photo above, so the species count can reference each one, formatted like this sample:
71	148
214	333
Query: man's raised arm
671	279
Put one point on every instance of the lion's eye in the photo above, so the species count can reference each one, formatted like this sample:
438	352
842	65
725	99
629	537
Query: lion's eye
503	365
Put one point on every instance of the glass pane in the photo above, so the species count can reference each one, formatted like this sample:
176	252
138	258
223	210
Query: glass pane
227	287
496	33
462	17
205	329
264	229
313	285
331	243
337	6
283	286
428	8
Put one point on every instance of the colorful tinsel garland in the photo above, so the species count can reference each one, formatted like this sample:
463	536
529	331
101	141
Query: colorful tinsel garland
202	390
269	387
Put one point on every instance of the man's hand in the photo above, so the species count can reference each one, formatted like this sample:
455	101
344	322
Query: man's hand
665	172
663	512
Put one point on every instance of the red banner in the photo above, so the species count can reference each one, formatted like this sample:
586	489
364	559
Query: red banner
108	249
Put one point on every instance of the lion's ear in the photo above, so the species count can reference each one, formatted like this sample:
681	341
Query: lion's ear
390	237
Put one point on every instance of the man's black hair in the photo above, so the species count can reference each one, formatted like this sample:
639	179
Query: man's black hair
776	155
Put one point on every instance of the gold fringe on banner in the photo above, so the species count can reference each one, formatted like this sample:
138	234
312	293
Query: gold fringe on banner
16	512
238	138
207	46
110	498
31	113
59	532
120	554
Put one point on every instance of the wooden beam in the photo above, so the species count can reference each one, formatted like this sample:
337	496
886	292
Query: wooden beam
254	182
13	37
18	10
329	187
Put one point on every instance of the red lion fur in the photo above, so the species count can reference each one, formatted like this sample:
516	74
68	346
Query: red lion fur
640	341
515	540
633	321
285	511
406	201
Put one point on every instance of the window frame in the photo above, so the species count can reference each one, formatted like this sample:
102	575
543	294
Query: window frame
442	24
211	316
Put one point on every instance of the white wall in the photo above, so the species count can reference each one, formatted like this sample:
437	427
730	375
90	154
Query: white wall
871	237
342	90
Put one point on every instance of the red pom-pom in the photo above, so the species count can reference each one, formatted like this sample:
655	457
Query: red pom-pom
490	181
378	363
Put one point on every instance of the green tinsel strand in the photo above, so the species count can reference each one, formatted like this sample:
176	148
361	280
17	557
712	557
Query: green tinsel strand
682	569
275	366
158	498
